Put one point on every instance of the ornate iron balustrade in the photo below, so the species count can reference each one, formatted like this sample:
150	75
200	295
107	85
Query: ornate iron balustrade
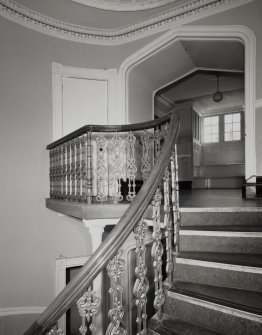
69	161
92	164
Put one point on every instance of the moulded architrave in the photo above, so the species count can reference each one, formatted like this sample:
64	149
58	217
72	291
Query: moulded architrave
60	71
228	33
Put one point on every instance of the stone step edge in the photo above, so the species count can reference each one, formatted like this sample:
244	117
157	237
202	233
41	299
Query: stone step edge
219	301
219	265
215	306
220	209
219	233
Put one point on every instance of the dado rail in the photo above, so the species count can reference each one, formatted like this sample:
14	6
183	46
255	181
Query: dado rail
100	164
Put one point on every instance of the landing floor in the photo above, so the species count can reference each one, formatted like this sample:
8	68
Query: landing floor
217	198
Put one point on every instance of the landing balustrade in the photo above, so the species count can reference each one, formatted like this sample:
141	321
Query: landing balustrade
98	164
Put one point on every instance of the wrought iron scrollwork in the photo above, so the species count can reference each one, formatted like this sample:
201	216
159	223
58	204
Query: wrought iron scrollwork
88	306
68	172
115	269
101	168
141	284
55	331
131	168
145	165
158	136
157	253
73	170
175	197
168	227
117	170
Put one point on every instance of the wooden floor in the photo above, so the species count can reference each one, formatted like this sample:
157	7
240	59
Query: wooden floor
217	198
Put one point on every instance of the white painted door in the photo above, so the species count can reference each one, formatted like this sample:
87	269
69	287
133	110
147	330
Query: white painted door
85	102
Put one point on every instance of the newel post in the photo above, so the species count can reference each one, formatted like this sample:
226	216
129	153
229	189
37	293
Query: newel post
89	183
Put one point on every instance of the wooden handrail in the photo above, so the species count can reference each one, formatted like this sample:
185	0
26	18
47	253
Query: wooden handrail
112	243
108	129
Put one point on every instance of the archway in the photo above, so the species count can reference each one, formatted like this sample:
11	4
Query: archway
169	41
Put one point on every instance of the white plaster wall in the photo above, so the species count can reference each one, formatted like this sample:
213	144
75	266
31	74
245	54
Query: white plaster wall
32	237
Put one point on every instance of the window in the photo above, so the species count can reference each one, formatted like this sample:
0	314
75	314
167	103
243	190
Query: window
211	129
196	126
232	127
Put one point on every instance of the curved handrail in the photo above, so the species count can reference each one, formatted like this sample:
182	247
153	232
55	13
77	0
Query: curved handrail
110	128
112	243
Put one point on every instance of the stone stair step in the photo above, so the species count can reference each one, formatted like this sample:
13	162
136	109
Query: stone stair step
241	299
172	326
220	241
217	316
218	274
221	217
254	260
243	228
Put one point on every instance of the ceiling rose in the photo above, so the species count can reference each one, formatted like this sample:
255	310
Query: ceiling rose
125	5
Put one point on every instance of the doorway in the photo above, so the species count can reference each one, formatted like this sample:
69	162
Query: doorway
166	60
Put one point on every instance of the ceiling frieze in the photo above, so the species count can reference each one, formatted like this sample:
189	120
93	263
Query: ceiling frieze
123	5
166	20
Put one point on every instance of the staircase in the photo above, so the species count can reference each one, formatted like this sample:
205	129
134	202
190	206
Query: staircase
217	284
190	271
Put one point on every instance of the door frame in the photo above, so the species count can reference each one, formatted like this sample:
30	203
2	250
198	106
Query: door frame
229	33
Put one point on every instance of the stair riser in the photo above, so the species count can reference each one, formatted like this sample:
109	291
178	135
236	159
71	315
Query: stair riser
221	218
211	315
218	277
226	244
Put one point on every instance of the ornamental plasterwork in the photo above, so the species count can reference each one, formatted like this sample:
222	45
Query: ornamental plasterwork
124	5
166	20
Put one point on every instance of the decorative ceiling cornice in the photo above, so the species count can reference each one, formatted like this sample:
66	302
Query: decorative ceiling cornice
120	5
166	20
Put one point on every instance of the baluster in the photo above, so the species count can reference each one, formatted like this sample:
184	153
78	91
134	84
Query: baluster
83	140
56	172
73	171
88	306
89	182
175	197
166	129
64	171
115	269
51	172
101	168
55	331
145	164
68	171
131	166
141	284
157	138
60	172
168	227
157	252
117	169
78	169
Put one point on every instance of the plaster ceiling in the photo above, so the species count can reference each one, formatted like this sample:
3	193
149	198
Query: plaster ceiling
81	22
82	15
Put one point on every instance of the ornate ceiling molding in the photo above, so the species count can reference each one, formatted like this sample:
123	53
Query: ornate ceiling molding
166	20
120	5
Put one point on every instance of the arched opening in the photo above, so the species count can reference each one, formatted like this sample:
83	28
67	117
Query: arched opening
165	61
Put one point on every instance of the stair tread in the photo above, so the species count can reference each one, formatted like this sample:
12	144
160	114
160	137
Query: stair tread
254	260
240	228
231	297
172	326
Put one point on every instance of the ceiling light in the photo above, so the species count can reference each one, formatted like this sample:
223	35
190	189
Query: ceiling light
217	96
